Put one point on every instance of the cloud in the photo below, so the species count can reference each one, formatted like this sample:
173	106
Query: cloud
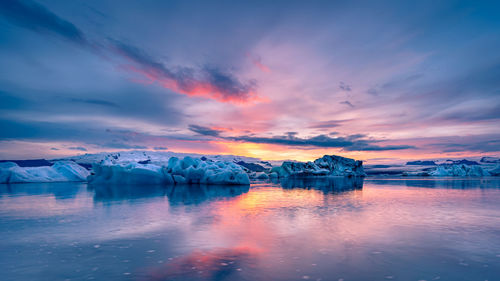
373	91
94	102
208	81
226	87
326	124
37	18
344	87
362	146
73	82
53	148
205	131
402	81
257	61
121	145
87	133
355	142
348	103
160	148
489	111
318	141
351	143
471	143
80	148
150	105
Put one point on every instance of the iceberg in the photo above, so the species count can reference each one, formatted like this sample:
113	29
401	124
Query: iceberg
495	171
422	163
251	166
489	159
188	170
155	157
61	171
461	170
262	176
458	162
328	165
132	173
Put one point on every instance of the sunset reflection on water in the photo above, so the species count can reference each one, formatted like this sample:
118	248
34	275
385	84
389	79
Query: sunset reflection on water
376	229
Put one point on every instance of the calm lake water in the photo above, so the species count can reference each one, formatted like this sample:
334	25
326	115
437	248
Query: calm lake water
336	229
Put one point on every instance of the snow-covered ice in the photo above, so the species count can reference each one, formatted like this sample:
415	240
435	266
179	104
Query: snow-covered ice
61	171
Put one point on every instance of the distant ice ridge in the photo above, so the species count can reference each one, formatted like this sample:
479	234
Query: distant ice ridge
328	165
61	171
177	171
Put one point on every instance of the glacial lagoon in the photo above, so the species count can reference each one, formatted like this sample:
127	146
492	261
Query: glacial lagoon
306	229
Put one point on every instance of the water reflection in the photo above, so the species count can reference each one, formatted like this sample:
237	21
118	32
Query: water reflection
42	199
300	229
447	183
104	192
325	184
196	194
215	264
62	190
176	194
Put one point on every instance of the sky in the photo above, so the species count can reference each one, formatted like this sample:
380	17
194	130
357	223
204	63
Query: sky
378	81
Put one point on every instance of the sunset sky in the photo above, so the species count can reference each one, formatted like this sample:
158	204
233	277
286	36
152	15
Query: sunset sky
373	80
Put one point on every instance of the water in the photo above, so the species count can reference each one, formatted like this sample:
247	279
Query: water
337	229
